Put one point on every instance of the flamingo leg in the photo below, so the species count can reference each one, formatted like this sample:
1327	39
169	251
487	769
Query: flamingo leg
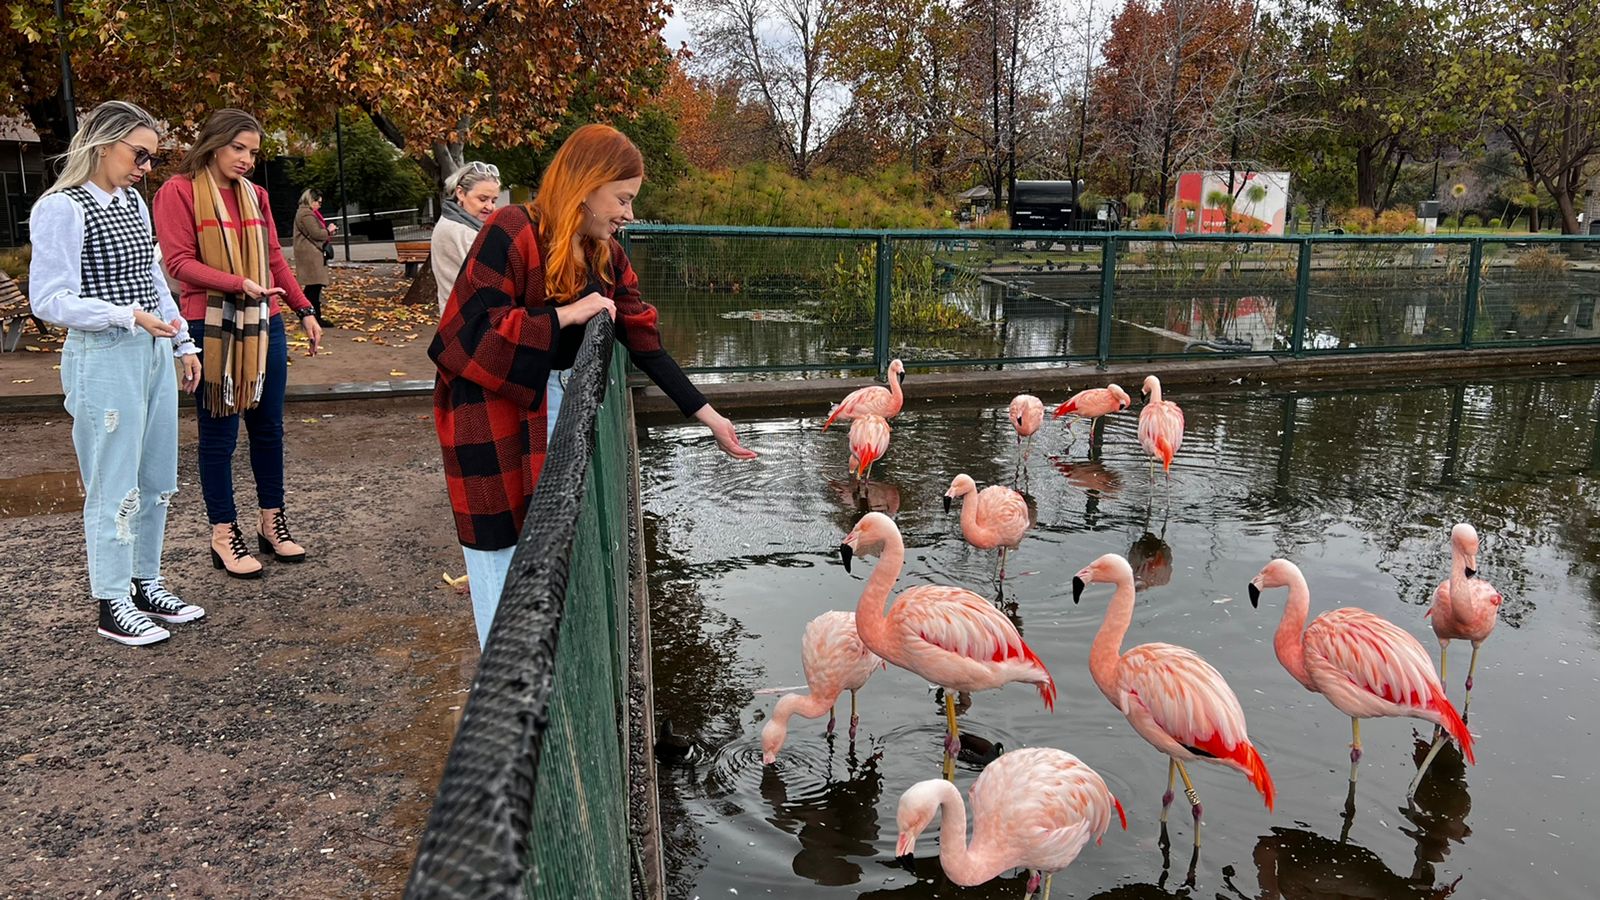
1438	743
1047	877
1194	801
1002	564
1033	885
1073	438
854	719
1471	667
952	737
830	721
1166	799
1355	746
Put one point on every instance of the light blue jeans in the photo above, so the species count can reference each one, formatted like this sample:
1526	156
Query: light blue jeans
486	569
122	392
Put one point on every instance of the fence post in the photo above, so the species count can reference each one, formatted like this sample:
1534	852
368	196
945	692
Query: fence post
1302	299
1469	315
1108	284
884	284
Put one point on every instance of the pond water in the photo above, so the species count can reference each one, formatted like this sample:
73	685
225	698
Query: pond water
1359	488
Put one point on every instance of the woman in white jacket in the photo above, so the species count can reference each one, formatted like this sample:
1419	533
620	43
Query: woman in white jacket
470	196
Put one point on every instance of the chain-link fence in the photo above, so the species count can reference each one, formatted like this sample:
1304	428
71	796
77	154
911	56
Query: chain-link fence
771	301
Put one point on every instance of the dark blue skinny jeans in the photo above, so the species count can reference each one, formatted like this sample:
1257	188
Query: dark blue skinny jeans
219	435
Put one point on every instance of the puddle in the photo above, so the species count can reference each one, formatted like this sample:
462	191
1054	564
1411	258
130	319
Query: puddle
43	494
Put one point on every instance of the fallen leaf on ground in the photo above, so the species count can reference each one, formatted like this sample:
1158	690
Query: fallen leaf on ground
396	373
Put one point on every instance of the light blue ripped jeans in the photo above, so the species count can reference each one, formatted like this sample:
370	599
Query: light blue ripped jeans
486	569
122	392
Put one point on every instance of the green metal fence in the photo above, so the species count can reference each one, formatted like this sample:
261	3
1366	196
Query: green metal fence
776	300
534	798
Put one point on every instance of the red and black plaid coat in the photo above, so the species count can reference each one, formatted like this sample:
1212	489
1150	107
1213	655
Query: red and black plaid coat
498	340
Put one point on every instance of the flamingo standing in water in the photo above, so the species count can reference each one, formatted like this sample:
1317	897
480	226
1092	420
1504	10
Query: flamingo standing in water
949	636
1160	427
869	439
875	399
1464	608
1172	697
1092	404
1364	664
1032	809
996	516
835	661
1026	414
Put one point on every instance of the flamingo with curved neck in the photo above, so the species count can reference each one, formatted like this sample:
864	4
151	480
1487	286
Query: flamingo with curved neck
835	661
996	516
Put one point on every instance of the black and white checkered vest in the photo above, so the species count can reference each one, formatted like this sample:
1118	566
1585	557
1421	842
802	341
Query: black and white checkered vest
118	251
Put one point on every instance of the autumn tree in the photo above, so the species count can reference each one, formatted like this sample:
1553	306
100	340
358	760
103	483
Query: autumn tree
777	51
1004	85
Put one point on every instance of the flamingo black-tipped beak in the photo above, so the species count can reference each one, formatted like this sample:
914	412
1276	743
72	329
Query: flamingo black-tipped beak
1471	571
1255	596
1077	588
844	555
946	502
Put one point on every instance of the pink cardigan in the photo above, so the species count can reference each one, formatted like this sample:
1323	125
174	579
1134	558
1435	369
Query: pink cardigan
180	250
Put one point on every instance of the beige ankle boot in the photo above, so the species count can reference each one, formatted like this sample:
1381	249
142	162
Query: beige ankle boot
229	551
273	537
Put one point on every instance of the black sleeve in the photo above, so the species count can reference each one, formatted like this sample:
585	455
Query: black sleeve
664	371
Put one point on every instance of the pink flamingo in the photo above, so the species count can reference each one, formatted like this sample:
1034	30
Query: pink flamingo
1364	664
1033	809
1092	404
835	661
869	438
1464	607
1160	426
1172	697
1026	414
949	636
875	399
996	516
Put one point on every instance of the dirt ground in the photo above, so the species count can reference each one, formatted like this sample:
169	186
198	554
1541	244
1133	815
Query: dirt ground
374	337
288	744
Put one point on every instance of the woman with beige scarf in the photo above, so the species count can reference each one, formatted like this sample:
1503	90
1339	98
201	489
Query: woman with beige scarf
219	241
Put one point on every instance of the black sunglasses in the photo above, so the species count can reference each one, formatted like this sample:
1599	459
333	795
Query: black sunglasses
141	156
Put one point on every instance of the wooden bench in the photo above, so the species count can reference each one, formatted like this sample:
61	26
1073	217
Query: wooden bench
14	315
413	254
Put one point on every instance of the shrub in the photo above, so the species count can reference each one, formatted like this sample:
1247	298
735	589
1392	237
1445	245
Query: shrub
1395	221
1542	262
1136	203
1472	220
1495	222
1151	222
760	194
917	293
1359	220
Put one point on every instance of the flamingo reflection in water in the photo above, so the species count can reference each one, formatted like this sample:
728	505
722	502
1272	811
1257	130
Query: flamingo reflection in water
835	822
1034	809
949	636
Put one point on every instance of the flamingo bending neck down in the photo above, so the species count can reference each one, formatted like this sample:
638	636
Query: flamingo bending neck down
1364	664
1160	427
1092	404
869	440
875	399
1033	809
835	661
1172	697
996	516
1026	414
948	636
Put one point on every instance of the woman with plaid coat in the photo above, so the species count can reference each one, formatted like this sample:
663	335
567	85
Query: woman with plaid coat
512	327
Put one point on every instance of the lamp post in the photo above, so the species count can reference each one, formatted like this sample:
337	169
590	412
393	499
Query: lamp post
69	109
344	199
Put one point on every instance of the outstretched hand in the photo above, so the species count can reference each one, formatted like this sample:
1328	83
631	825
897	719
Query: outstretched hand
722	430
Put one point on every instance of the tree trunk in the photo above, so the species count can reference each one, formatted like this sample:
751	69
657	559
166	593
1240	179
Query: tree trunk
1367	169
424	289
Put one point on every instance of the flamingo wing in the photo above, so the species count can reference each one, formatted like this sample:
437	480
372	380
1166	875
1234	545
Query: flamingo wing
1187	698
1374	654
870	399
1044	806
942	625
833	656
1004	511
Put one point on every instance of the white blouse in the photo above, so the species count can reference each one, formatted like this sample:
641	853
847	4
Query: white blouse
55	275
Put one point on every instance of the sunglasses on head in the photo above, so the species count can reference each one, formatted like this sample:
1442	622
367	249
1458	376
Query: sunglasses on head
141	156
490	169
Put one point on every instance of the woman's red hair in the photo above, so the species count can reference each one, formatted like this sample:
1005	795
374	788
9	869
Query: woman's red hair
593	156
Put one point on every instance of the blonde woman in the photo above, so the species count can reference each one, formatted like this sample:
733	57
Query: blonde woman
94	270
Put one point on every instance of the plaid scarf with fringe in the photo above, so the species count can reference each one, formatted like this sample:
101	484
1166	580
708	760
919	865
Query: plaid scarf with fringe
234	355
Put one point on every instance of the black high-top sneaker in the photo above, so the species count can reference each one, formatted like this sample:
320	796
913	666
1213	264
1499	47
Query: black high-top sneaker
152	598
122	622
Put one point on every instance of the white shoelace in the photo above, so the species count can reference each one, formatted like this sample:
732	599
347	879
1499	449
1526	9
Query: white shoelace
161	598
129	618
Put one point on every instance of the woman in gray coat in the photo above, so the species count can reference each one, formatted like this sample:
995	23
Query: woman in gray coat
312	233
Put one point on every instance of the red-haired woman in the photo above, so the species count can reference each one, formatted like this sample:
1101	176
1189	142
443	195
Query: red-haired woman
512	326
